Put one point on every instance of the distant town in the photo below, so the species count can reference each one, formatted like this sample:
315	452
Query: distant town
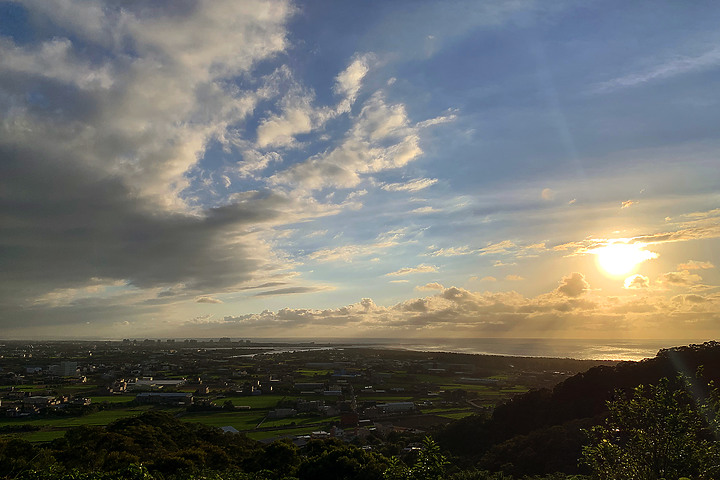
264	390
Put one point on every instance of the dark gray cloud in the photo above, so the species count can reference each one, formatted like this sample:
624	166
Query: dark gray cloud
102	121
263	285
65	224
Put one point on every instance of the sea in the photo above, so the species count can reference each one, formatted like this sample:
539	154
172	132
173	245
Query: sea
581	349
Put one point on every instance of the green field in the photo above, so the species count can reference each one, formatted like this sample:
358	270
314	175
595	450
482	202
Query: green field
515	389
240	420
306	372
383	398
261	435
281	422
76	389
252	401
97	418
30	388
112	398
52	427
456	415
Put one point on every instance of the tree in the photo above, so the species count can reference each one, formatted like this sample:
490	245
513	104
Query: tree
430	465
658	432
333	460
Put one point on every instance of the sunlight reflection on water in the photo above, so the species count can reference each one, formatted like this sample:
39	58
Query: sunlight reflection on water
582	349
631	350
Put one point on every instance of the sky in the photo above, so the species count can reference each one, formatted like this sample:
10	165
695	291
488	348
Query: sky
325	169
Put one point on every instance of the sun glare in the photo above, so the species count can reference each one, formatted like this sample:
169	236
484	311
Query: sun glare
622	258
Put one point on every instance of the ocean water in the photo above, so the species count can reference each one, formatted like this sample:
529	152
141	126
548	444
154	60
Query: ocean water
632	350
583	349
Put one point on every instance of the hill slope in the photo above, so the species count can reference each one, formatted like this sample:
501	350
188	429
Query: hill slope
540	432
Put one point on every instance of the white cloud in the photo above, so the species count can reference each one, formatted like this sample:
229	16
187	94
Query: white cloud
349	81
380	139
500	263
254	161
280	130
300	116
347	253
424	210
436	121
165	93
677	65
411	186
411	270
451	251
56	60
497	248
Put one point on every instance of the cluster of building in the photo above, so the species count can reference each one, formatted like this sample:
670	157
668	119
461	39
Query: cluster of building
362	388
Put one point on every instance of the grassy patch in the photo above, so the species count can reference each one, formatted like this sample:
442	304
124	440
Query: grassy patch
432	379
383	398
253	401
515	389
112	398
239	420
98	418
444	410
481	389
307	372
456	415
281	422
280	433
77	388
30	388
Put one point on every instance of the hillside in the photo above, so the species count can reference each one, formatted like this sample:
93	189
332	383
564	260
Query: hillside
540	432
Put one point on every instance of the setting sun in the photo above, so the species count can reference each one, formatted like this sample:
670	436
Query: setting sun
622	258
